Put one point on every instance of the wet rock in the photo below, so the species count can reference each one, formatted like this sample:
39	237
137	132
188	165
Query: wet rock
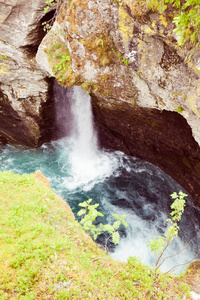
115	54
162	138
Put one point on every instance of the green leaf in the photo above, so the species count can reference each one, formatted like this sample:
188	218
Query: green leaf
116	224
124	223
81	212
108	227
85	203
46	9
122	217
115	216
115	237
174	195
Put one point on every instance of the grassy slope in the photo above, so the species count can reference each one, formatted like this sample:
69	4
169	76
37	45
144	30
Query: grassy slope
45	254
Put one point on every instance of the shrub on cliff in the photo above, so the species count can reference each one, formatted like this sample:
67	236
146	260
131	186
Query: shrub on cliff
186	16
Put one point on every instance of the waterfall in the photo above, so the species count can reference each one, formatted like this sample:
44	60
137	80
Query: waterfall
83	139
84	135
75	121
87	164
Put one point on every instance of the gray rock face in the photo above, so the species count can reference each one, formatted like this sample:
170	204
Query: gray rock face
24	87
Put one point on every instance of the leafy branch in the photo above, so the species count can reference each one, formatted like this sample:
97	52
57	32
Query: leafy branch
90	213
186	17
161	243
51	3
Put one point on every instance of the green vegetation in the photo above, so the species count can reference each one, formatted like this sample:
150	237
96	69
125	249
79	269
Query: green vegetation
125	61
119	2
101	46
45	253
90	214
3	57
186	16
60	62
63	63
89	86
48	3
47	25
161	243
179	110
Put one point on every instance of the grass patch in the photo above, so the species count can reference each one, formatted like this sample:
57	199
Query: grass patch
45	254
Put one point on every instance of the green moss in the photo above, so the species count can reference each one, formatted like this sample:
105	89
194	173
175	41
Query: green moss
101	46
3	57
89	86
120	56
60	62
179	110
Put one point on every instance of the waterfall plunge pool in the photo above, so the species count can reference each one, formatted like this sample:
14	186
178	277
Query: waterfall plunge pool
78	170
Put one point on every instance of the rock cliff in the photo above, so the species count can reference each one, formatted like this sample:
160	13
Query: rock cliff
24	87
145	88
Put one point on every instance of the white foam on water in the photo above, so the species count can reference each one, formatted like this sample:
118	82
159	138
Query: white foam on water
138	233
88	172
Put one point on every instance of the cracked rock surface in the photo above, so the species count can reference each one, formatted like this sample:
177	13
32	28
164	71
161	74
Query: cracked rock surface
24	88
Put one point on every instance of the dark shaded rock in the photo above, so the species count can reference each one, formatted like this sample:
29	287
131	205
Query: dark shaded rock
27	129
162	138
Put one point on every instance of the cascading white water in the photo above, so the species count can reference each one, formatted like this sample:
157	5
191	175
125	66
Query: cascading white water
84	135
88	165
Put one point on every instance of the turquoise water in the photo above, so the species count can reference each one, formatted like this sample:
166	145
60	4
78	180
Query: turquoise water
78	170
